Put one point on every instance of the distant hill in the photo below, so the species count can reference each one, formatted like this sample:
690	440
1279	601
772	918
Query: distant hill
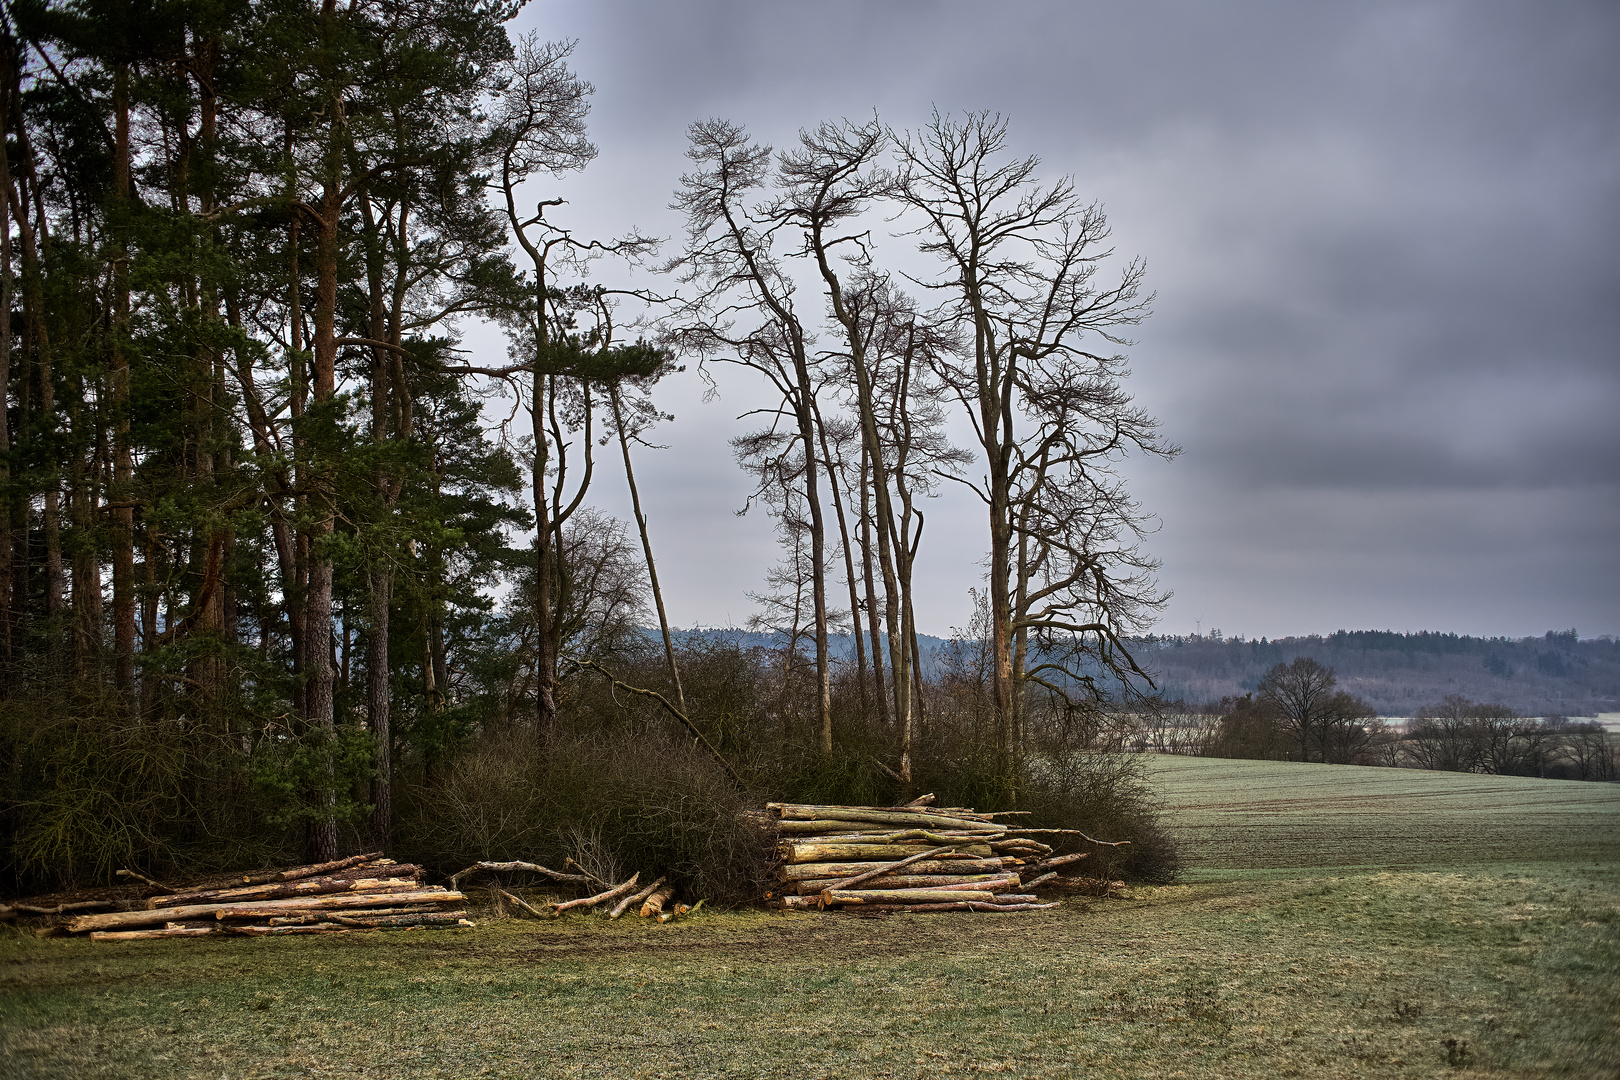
1557	674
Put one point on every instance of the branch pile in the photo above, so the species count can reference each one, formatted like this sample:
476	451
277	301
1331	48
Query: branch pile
363	892
655	900
912	858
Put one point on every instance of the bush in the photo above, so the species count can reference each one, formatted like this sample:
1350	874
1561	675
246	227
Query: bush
615	802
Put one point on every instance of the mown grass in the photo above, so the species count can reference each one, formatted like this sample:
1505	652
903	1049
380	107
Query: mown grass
1509	967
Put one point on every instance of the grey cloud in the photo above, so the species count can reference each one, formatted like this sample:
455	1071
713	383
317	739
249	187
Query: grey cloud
1382	239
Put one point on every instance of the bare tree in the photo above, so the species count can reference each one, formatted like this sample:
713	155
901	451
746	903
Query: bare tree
729	256
1019	262
538	128
1302	694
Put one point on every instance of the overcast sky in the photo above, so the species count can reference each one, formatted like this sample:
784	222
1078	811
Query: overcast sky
1383	239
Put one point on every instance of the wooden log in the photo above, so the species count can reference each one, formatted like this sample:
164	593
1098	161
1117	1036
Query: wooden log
601	897
928	836
1042	880
62	909
922	800
624	905
279	890
655	903
1060	860
121	919
522	903
807	871
365	920
312	870
809	853
887	881
304	918
141	935
144	879
901	896
994	885
278	931
820	826
800	903
883	816
533	868
892	867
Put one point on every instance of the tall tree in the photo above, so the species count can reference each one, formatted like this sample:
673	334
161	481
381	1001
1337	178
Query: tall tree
729	257
1019	261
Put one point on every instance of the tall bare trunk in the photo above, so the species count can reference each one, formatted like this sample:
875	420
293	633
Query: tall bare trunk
874	626
646	547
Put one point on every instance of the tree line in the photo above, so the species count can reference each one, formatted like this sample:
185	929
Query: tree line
257	501
1297	713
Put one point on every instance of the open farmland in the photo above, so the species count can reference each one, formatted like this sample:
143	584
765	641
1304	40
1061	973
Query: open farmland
1338	923
1270	818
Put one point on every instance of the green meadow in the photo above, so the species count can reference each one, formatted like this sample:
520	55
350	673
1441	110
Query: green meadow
1333	922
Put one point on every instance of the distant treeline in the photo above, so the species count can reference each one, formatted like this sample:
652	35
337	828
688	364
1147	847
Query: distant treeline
1557	674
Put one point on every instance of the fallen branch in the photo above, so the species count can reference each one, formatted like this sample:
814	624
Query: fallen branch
63	909
600	898
533	868
520	902
624	905
143	877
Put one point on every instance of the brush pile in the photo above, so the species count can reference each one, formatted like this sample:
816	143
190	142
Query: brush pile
912	858
363	892
655	900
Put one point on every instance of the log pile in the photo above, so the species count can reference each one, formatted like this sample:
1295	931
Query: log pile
364	892
912	858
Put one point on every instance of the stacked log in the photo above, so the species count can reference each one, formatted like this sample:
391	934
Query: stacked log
912	858
365	892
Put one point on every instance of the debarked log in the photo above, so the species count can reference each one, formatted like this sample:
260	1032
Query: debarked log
970	905
929	836
280	890
891	881
840	869
121	919
814	853
655	903
902	896
911	818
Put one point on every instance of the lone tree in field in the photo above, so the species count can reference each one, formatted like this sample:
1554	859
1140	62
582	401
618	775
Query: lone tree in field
1042	388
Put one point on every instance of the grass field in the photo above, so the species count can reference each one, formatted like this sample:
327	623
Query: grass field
1266	818
1505	967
